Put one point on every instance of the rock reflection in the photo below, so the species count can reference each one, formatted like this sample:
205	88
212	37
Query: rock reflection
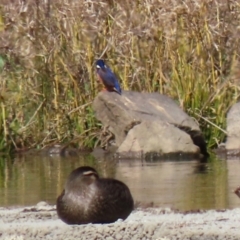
180	185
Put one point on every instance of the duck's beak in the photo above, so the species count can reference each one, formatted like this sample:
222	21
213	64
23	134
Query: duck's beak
89	173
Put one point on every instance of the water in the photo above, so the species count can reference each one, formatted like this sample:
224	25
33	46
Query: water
183	185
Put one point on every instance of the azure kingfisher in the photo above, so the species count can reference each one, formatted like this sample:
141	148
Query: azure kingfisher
107	77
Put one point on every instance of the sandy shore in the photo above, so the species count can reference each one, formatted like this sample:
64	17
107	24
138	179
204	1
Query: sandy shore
41	222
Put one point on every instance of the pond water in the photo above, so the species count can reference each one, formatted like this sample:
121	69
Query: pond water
183	185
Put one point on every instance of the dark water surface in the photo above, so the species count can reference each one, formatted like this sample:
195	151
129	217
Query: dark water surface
184	185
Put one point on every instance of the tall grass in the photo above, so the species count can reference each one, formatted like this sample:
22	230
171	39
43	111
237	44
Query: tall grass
188	50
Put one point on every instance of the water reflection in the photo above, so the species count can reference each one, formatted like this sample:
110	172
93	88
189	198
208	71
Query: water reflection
184	185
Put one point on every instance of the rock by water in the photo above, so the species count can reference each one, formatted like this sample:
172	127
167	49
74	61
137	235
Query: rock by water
148	124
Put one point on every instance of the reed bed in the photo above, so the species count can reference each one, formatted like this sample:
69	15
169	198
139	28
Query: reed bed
188	50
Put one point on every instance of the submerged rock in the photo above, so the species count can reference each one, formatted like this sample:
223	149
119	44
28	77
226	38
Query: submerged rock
148	123
63	150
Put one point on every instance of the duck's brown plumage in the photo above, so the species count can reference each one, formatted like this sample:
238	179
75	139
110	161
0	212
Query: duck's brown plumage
90	199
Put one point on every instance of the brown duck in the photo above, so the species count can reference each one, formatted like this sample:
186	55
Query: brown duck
90	199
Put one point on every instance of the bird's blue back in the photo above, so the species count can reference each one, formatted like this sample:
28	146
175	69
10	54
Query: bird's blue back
107	76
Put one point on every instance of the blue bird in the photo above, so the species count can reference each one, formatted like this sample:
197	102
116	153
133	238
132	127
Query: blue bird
107	77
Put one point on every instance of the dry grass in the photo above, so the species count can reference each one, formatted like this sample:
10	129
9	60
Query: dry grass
188	50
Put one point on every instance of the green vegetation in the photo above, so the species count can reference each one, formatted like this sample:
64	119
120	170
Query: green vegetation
185	49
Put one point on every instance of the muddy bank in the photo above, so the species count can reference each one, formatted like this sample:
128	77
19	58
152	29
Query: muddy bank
41	222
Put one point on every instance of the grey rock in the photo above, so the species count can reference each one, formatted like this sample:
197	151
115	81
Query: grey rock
233	127
145	123
157	133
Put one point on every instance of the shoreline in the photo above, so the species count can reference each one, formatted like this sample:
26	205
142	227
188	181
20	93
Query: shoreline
41	222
